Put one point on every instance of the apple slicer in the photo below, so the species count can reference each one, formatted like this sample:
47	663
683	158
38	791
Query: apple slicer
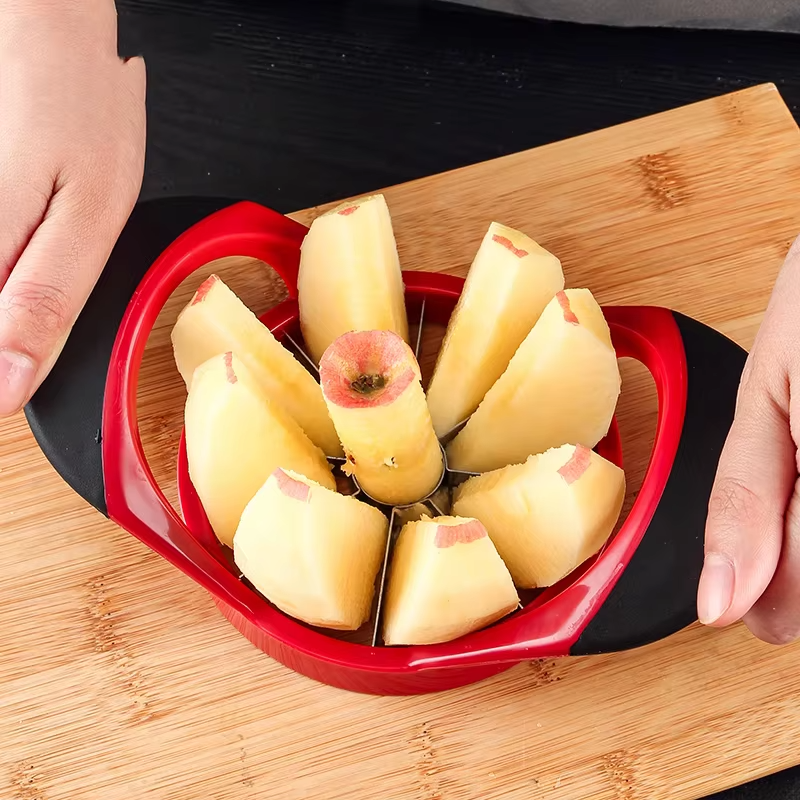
640	588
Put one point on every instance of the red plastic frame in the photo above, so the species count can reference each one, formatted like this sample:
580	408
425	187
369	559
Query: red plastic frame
545	628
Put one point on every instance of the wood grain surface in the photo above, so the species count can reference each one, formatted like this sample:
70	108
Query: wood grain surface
120	680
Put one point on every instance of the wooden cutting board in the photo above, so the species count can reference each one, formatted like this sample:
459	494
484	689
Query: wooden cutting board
118	678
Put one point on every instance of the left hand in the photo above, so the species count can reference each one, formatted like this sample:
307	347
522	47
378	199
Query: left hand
72	133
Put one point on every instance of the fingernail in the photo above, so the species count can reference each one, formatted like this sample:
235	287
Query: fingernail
16	378
715	592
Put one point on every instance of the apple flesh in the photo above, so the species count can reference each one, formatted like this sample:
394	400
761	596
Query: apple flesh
236	437
510	282
216	321
371	383
549	514
446	580
350	277
312	552
560	387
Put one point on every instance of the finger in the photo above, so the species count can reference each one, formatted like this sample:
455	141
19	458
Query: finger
775	618
136	76
754	482
48	286
22	207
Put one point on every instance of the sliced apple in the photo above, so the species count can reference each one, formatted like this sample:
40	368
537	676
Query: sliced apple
370	381
216	321
312	552
560	387
236	437
548	515
508	286
350	277
446	580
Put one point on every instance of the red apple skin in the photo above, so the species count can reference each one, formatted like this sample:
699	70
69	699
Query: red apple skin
203	290
229	373
352	355
371	383
578	463
509	245
448	535
346	212
295	489
569	314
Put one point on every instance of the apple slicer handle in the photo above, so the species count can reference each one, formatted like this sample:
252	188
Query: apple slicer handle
644	588
65	415
133	498
100	380
656	596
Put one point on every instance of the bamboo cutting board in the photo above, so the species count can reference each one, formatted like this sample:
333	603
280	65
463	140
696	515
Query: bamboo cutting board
118	678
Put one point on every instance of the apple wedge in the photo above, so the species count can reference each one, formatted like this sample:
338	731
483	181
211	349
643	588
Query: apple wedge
446	580
236	437
350	277
370	381
216	321
560	387
510	282
548	515
312	552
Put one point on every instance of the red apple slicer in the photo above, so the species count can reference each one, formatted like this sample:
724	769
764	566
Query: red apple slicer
639	589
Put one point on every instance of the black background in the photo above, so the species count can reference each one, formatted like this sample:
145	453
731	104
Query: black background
297	102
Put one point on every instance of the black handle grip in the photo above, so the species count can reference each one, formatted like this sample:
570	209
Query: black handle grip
66	412
656	596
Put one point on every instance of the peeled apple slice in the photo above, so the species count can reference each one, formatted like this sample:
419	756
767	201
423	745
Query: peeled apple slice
560	387
350	277
548	515
236	437
445	581
509	284
312	552
216	321
370	381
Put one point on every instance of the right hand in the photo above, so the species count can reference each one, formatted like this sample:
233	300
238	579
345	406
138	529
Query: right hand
752	567
72	136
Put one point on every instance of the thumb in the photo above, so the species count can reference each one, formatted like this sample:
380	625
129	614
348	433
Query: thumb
754	482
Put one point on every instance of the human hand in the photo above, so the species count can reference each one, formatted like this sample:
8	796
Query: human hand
752	566
72	134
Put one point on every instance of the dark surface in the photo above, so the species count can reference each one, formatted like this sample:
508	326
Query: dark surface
296	102
655	595
293	102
